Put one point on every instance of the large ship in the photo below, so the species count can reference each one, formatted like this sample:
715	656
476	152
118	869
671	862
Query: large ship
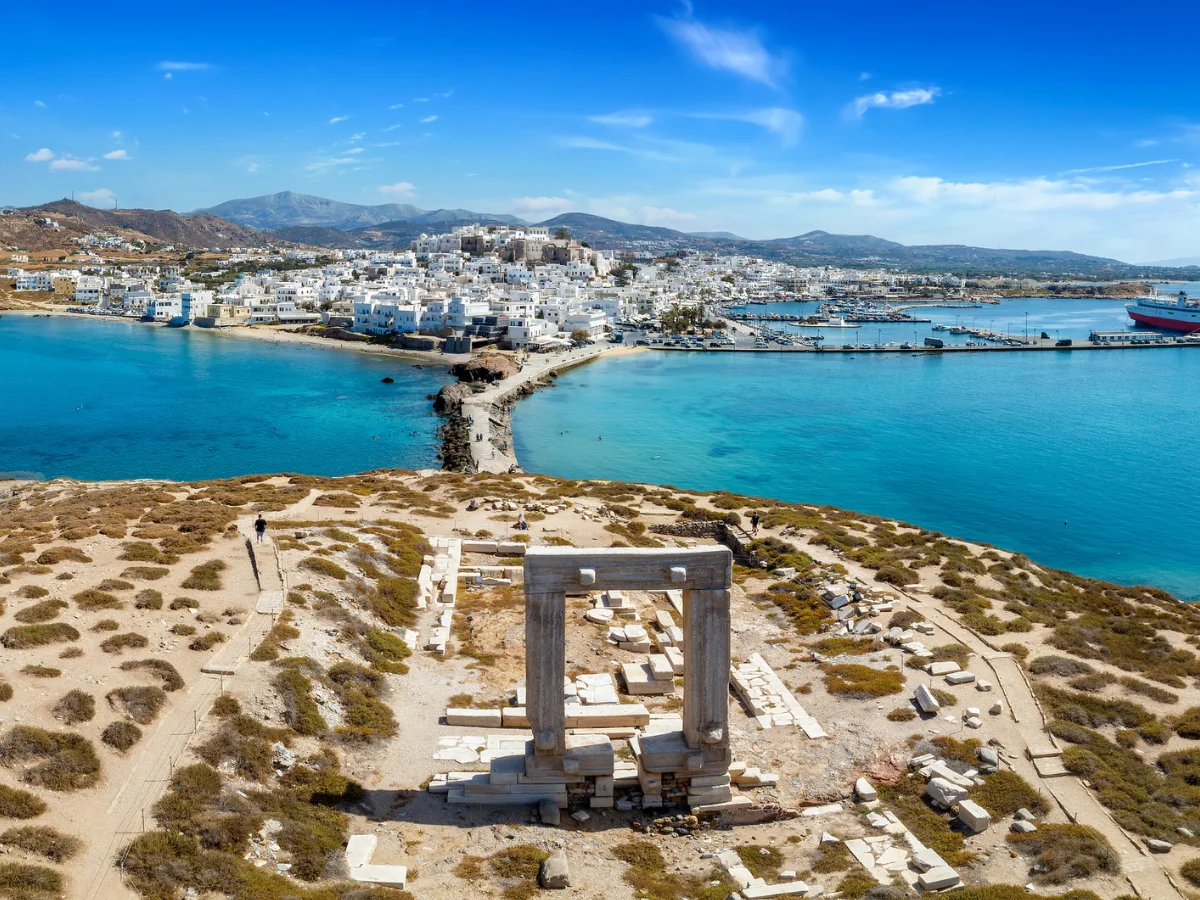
1172	313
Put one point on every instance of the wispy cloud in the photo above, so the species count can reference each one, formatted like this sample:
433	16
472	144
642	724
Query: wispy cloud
420	99
428	119
784	122
117	154
70	164
396	106
1138	165
357	136
45	154
623	119
337	119
445	95
727	49
331	163
98	197
541	207
39	104
399	189
894	100
355	150
169	65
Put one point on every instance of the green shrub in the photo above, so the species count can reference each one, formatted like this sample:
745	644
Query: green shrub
763	862
651	876
121	642
861	682
1059	665
1151	691
121	735
207	641
75	706
1083	709
18	804
40	612
1003	793
226	705
68	761
42	840
324	567
394	601
93	599
300	710
23	637
148	598
385	651
145	573
1066	852
1096	681
205	577
1190	870
139	702
832	856
23	882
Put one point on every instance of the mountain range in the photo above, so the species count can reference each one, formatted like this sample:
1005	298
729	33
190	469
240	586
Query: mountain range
288	217
287	209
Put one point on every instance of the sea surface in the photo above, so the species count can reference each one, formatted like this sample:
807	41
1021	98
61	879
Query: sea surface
1084	460
113	400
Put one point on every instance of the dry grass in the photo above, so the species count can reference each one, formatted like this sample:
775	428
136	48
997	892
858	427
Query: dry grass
861	682
18	804
93	599
158	668
24	637
1066	852
139	702
119	643
45	611
42	840
205	577
121	735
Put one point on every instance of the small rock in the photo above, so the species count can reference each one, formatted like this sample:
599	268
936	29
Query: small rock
549	813
1023	827
580	816
1159	846
555	875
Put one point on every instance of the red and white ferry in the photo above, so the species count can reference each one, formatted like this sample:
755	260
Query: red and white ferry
1172	313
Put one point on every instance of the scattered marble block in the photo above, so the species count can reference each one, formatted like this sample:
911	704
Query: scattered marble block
1021	827
996	708
973	816
392	876
938	879
982	685
359	849
942	668
640	680
478	718
943	793
925	700
864	791
960	678
675	656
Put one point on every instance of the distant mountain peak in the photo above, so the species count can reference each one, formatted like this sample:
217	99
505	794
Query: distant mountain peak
288	209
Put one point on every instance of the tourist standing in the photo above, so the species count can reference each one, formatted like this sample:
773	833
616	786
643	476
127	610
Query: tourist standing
260	527
754	523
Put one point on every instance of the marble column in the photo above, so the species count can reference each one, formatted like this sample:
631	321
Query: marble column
545	668
706	669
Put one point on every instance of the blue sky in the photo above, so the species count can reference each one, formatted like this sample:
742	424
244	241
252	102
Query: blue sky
1016	125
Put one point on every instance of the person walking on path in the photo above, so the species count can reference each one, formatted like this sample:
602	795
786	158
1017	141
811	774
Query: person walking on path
754	523
260	527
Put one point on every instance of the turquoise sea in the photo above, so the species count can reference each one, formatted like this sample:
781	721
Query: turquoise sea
1083	460
114	399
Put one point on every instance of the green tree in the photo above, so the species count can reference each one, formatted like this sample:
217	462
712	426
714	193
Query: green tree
579	334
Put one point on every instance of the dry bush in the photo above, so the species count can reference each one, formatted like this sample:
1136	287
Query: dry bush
139	702
861	682
121	735
207	641
119	643
68	761
148	598
184	603
45	611
56	555
206	576
31	592
1066	852
106	625
6	691
93	599
42	840
145	573
23	637
324	567
183	630
24	882
114	584
18	804
41	671
159	668
75	706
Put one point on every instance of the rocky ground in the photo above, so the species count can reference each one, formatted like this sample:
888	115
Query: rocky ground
327	725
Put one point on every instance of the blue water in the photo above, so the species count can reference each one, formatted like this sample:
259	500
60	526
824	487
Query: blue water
1084	460
112	399
1058	318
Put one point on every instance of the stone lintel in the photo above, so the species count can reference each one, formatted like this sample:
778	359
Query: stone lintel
558	569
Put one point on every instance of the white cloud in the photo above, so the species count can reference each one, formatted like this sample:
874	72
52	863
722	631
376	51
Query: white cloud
355	150
541	207
420	99
864	76
39	104
728	49
117	154
169	76
623	119
784	122
399	189
428	119
177	66
45	154
98	197
357	136
1152	162
337	119
396	106
1146	142
392	127
444	95
894	100
116	135
70	164
331	163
